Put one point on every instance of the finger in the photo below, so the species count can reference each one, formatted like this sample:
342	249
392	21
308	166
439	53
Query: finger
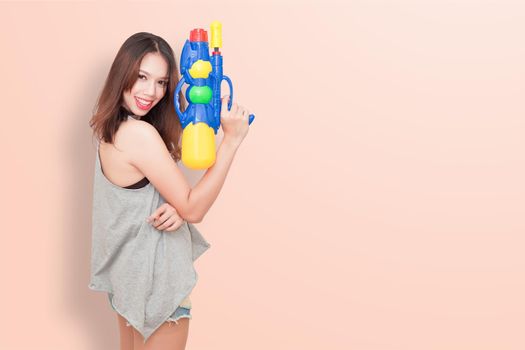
168	223
175	226
235	108
162	218
225	100
242	110
165	224
156	213
246	114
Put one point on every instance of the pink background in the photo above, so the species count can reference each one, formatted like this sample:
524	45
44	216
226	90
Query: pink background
376	203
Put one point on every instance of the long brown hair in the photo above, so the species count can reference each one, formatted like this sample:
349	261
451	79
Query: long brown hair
108	112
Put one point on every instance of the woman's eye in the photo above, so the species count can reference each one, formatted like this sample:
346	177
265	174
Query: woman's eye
162	82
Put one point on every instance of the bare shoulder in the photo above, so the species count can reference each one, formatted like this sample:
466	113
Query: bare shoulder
141	141
133	133
132	128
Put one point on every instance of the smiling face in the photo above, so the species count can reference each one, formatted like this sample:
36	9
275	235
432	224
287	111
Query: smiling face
150	87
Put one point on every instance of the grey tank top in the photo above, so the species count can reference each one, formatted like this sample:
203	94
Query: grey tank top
147	271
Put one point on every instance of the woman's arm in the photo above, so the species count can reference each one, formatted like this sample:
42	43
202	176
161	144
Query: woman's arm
207	189
148	153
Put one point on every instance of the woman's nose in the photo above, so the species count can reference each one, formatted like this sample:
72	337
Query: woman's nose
150	90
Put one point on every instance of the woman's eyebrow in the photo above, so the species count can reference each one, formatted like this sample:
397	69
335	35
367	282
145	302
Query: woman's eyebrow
143	71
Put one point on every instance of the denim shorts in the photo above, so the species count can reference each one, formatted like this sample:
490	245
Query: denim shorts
180	312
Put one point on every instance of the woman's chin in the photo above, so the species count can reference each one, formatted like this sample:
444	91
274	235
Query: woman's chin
139	112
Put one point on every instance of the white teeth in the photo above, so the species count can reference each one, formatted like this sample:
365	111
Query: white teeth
145	103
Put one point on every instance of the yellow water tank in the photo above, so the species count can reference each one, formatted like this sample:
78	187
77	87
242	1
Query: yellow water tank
198	146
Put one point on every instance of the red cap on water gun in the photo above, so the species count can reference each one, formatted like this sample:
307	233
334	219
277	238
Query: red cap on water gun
198	34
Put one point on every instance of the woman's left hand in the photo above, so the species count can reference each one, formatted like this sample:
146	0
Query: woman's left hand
165	218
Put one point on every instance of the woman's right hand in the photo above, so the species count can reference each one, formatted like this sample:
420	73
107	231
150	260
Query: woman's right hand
235	121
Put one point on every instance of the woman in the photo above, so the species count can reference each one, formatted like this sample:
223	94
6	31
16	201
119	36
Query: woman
146	267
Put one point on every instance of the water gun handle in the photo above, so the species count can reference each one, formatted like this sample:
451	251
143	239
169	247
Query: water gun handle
176	100
224	77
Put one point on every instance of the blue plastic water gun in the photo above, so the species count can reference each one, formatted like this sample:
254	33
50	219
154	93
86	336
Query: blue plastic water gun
201	120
